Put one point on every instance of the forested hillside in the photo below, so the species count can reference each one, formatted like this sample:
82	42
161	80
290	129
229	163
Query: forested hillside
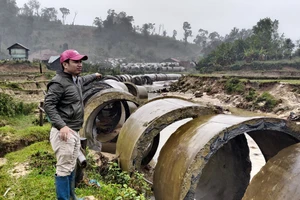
42	28
115	37
261	48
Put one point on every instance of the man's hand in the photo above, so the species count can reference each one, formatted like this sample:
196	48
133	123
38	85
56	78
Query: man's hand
98	75
64	133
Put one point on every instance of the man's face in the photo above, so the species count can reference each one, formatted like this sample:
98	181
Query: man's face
74	67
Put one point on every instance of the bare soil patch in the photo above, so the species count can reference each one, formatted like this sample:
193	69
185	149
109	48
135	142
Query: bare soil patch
18	68
213	93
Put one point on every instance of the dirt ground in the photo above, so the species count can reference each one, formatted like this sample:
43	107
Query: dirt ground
33	84
286	94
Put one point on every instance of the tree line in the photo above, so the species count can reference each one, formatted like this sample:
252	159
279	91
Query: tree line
40	28
117	36
261	43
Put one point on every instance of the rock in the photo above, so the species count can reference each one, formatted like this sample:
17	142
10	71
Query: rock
102	159
2	161
198	94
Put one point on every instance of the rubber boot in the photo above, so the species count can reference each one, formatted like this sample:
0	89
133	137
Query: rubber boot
72	187
62	187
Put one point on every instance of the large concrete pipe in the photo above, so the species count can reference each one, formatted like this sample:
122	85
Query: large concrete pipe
116	84
105	112
174	76
153	77
279	178
208	157
139	136
92	88
148	80
161	77
137	90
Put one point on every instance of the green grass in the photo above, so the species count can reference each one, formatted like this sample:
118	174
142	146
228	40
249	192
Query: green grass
22	127
20	121
32	185
38	159
39	182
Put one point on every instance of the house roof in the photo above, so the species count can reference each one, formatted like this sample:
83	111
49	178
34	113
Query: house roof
53	59
54	64
17	45
171	60
44	54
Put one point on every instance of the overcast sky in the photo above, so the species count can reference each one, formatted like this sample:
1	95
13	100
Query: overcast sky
211	15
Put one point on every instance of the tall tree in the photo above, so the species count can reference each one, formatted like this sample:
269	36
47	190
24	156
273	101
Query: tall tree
288	48
65	12
26	10
165	33
187	31
201	38
214	36
49	14
147	28
8	14
35	6
174	34
98	22
108	23
265	33
124	22
232	36
245	33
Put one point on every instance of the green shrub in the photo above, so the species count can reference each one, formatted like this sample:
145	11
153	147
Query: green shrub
7	130
11	108
270	101
251	96
14	86
234	85
121	185
43	161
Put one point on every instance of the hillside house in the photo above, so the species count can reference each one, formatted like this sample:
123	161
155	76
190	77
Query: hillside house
185	64
18	51
42	55
171	60
54	63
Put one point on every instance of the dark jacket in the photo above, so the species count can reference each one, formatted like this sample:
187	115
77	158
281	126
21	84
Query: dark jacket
63	101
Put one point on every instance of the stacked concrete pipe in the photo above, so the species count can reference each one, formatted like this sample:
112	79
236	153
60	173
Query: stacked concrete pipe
108	104
208	157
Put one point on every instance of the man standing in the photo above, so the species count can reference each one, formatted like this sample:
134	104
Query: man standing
64	107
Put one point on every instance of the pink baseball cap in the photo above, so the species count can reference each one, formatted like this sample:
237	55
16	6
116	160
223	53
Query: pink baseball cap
72	55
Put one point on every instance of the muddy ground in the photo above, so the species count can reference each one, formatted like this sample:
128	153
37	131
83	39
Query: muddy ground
211	90
205	90
31	85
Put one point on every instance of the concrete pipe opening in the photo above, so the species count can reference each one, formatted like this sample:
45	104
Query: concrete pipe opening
137	91
111	116
279	178
104	114
139	136
212	156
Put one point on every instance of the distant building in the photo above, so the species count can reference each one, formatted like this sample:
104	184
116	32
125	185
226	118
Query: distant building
18	51
42	55
54	63
174	60
185	64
